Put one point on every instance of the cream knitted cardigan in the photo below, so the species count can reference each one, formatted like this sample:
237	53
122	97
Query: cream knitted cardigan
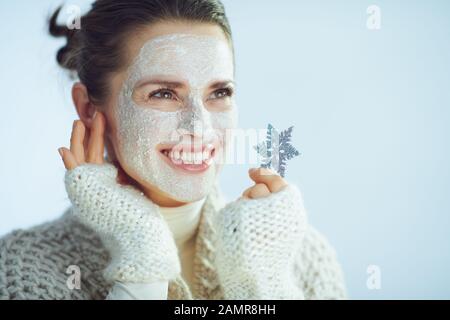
34	263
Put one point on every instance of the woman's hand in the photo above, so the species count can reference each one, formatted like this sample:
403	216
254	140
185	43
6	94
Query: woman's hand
85	147
140	243
258	238
88	147
266	181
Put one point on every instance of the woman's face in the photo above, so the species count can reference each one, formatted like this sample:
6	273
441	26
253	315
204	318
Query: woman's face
171	109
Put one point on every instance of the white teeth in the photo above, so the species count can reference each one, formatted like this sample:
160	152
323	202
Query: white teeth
187	157
198	159
191	157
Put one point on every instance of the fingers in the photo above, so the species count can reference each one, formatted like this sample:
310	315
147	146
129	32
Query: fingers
266	182
259	190
68	158
246	192
270	178
85	145
77	141
96	140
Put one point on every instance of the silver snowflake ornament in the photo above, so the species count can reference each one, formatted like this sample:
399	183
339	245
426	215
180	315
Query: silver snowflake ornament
277	149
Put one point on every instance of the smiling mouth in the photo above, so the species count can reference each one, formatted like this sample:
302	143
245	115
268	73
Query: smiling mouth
188	158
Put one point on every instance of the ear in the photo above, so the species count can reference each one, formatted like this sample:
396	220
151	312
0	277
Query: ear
83	105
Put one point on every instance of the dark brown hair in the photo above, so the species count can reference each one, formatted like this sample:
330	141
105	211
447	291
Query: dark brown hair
95	51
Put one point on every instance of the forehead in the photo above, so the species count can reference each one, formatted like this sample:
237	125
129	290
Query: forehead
195	58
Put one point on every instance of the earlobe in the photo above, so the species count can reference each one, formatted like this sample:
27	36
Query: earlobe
85	109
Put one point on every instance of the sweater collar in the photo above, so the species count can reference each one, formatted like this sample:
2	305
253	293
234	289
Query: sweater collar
206	283
183	221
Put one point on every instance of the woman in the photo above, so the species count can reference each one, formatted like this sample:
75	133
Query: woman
148	221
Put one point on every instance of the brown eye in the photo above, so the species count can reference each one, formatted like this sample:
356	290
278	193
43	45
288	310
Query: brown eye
162	94
222	93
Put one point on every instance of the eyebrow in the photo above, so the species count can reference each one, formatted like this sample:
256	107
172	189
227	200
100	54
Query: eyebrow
177	84
221	84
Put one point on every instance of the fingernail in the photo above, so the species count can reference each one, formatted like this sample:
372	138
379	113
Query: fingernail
60	150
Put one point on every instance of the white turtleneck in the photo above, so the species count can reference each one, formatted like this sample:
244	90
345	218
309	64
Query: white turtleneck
183	222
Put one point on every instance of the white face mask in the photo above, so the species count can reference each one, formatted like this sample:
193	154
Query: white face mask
198	61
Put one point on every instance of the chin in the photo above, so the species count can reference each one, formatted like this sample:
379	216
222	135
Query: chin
192	193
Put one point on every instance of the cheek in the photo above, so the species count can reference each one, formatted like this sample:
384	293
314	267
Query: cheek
224	123
143	128
224	120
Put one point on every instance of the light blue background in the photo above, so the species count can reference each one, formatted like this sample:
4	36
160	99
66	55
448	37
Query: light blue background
370	110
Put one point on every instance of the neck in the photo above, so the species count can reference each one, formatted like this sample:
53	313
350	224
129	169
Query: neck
162	200
183	221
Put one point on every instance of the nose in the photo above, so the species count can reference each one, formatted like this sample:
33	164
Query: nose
194	117
194	121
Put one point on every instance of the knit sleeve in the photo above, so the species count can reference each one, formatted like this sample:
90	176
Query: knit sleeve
130	225
257	241
317	269
34	262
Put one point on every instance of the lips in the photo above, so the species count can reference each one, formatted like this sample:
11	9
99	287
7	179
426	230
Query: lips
190	158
